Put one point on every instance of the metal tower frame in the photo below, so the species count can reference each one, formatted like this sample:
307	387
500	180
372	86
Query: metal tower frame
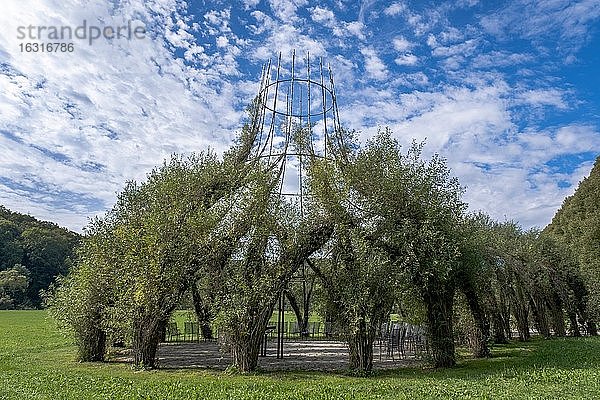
289	100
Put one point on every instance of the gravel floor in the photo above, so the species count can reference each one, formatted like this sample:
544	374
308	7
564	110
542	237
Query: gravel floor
307	355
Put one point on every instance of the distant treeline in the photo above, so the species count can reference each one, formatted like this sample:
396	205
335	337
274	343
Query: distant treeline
577	224
32	254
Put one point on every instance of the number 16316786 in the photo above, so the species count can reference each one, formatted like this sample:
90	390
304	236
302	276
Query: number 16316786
48	47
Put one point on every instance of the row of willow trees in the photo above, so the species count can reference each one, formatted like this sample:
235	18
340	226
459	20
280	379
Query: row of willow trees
382	228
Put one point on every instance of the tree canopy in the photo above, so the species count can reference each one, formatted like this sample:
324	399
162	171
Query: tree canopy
577	225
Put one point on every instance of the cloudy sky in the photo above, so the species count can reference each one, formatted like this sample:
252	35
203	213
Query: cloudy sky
508	92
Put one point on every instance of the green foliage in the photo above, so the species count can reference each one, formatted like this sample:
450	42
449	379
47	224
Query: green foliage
82	302
396	219
13	284
383	229
43	248
514	277
577	224
247	284
137	261
11	252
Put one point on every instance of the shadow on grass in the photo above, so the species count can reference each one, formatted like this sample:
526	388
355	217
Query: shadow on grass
515	358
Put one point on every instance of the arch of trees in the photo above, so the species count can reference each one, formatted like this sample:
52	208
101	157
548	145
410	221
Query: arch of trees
386	230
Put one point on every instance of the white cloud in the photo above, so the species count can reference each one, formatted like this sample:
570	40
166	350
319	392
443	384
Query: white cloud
285	39
218	21
565	22
497	59
503	168
74	127
78	125
401	44
222	41
355	28
432	41
544	97
373	64
365	6
264	23
248	4
412	80
326	17
466	48
323	16
406	59
395	9
451	35
286	10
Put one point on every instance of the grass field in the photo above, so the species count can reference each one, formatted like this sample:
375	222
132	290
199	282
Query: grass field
36	362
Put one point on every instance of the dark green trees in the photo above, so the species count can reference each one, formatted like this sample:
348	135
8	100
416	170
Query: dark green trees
577	225
42	249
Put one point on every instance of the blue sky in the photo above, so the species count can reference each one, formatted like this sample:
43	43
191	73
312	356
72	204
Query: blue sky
506	91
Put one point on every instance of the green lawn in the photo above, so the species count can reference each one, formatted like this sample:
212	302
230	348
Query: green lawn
38	363
181	316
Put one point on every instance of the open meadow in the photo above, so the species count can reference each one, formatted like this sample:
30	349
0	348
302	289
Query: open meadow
37	362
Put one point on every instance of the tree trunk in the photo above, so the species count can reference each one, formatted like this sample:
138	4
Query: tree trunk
301	315
439	305
202	313
480	336
557	317
574	324
497	322
505	315
147	335
581	295
360	343
521	312
498	327
91	343
538	308
591	328
246	340
503	305
244	351
522	317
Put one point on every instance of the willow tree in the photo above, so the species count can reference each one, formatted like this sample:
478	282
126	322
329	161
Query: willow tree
475	281
577	225
407	209
164	223
151	245
244	284
557	286
358	278
419	210
247	285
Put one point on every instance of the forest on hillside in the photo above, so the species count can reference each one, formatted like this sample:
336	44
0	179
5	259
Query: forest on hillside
577	224
32	254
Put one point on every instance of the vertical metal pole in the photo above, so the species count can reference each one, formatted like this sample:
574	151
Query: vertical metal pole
280	325
272	127
324	103
308	107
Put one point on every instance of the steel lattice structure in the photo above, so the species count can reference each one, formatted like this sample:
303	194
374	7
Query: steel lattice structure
300	97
